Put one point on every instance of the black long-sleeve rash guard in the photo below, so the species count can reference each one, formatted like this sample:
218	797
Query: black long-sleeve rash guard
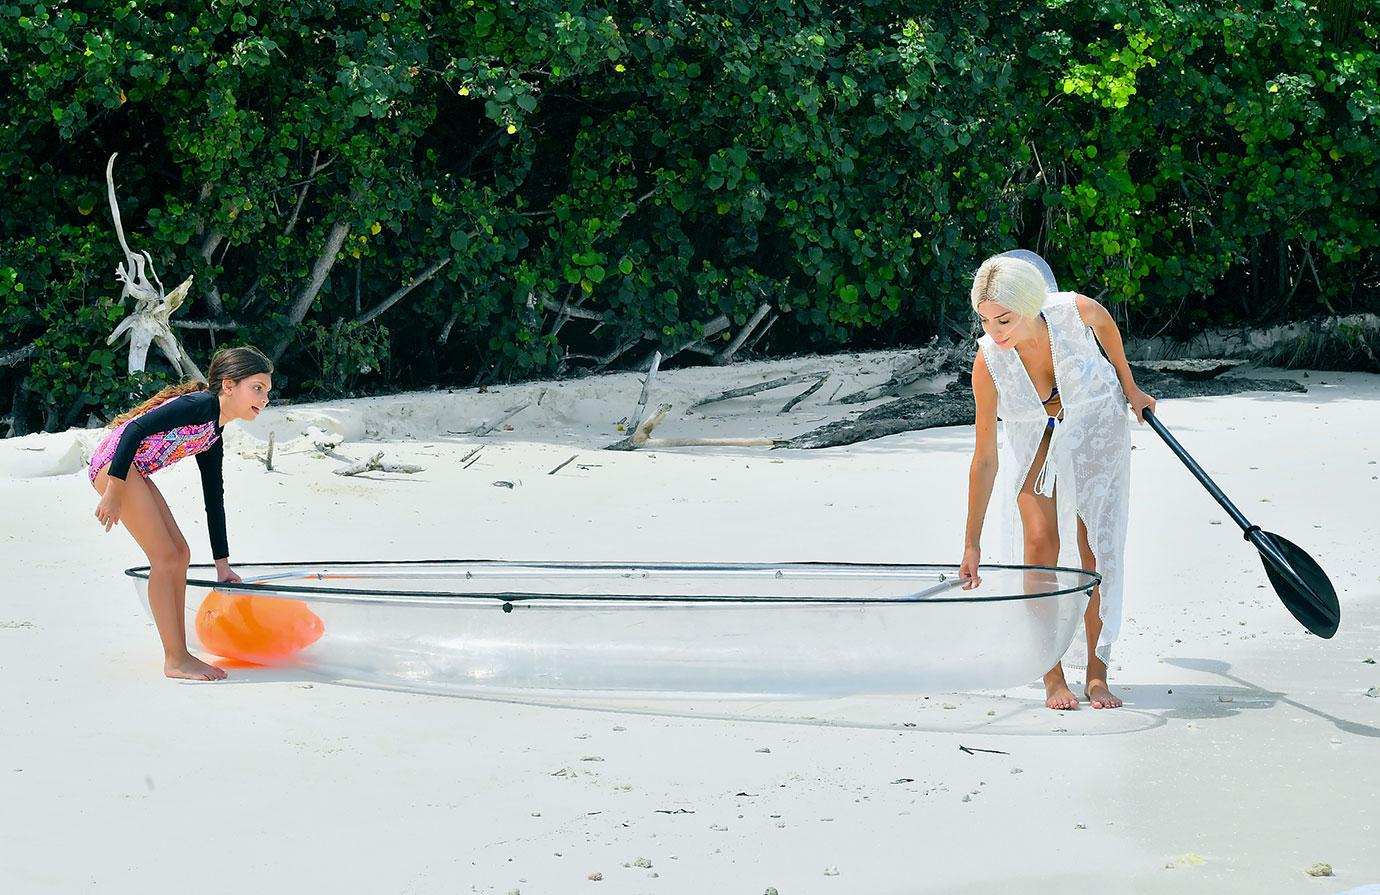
193	409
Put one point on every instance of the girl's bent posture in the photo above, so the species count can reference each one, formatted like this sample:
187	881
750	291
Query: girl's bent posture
1064	447
180	421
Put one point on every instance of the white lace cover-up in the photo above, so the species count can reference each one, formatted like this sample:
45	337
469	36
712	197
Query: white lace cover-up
1088	465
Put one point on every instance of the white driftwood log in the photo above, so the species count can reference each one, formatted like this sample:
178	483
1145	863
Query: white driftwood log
641	438
149	323
376	464
646	391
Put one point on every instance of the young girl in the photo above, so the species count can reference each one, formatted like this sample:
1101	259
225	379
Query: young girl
179	421
1065	444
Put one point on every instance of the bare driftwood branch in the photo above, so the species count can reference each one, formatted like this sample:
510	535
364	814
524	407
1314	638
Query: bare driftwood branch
10	358
760	387
762	334
212	325
563	465
930	363
1291	344
711	329
376	464
641	438
954	406
805	394
618	351
646	391
726	356
19	408
148	323
444	335
569	310
486	428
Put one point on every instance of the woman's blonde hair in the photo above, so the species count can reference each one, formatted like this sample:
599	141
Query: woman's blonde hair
228	363
1011	283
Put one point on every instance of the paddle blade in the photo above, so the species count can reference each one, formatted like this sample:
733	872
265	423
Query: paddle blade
1300	582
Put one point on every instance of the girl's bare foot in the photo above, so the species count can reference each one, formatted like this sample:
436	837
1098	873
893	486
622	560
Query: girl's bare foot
189	668
1100	696
1057	693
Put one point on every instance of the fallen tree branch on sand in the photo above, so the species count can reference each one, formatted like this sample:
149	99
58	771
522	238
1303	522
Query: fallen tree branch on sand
745	390
819	383
931	362
641	438
376	464
954	406
486	428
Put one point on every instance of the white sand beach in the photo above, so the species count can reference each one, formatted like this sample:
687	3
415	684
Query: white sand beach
1247	752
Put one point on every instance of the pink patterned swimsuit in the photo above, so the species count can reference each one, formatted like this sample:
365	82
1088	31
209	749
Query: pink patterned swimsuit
159	449
185	426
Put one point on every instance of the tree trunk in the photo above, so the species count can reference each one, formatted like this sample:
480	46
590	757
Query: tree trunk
401	293
335	238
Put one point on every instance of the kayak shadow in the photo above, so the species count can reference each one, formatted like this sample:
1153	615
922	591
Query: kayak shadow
1252	696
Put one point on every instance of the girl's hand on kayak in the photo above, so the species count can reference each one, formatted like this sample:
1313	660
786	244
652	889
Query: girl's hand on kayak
225	574
968	568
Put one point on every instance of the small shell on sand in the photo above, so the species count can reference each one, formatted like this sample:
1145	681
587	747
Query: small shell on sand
1319	869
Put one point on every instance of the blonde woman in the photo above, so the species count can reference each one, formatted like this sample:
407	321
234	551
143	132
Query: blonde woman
1064	446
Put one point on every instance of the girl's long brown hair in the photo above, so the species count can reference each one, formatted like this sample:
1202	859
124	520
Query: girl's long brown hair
233	364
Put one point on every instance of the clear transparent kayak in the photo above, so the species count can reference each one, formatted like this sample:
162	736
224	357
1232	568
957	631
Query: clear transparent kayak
609	629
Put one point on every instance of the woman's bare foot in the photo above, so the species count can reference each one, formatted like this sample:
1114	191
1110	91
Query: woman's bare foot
1100	696
1057	693
189	668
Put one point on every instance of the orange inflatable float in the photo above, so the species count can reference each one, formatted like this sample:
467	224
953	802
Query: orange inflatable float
262	630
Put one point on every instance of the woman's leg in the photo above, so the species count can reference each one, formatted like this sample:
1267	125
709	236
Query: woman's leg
1096	688
142	514
1040	524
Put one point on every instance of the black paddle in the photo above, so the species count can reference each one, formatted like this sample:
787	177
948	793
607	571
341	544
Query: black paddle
1301	583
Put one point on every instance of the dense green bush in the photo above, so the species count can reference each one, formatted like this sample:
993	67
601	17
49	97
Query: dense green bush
396	193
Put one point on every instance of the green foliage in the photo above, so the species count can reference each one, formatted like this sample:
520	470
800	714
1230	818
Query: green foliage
344	352
661	164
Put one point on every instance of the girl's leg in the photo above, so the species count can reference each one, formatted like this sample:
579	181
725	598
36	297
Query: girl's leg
179	577
168	559
1096	688
1040	523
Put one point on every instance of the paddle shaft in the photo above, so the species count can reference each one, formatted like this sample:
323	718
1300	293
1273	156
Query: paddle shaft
1197	471
1315	607
1253	532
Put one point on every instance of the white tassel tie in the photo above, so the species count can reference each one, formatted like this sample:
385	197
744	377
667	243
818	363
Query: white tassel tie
1045	481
